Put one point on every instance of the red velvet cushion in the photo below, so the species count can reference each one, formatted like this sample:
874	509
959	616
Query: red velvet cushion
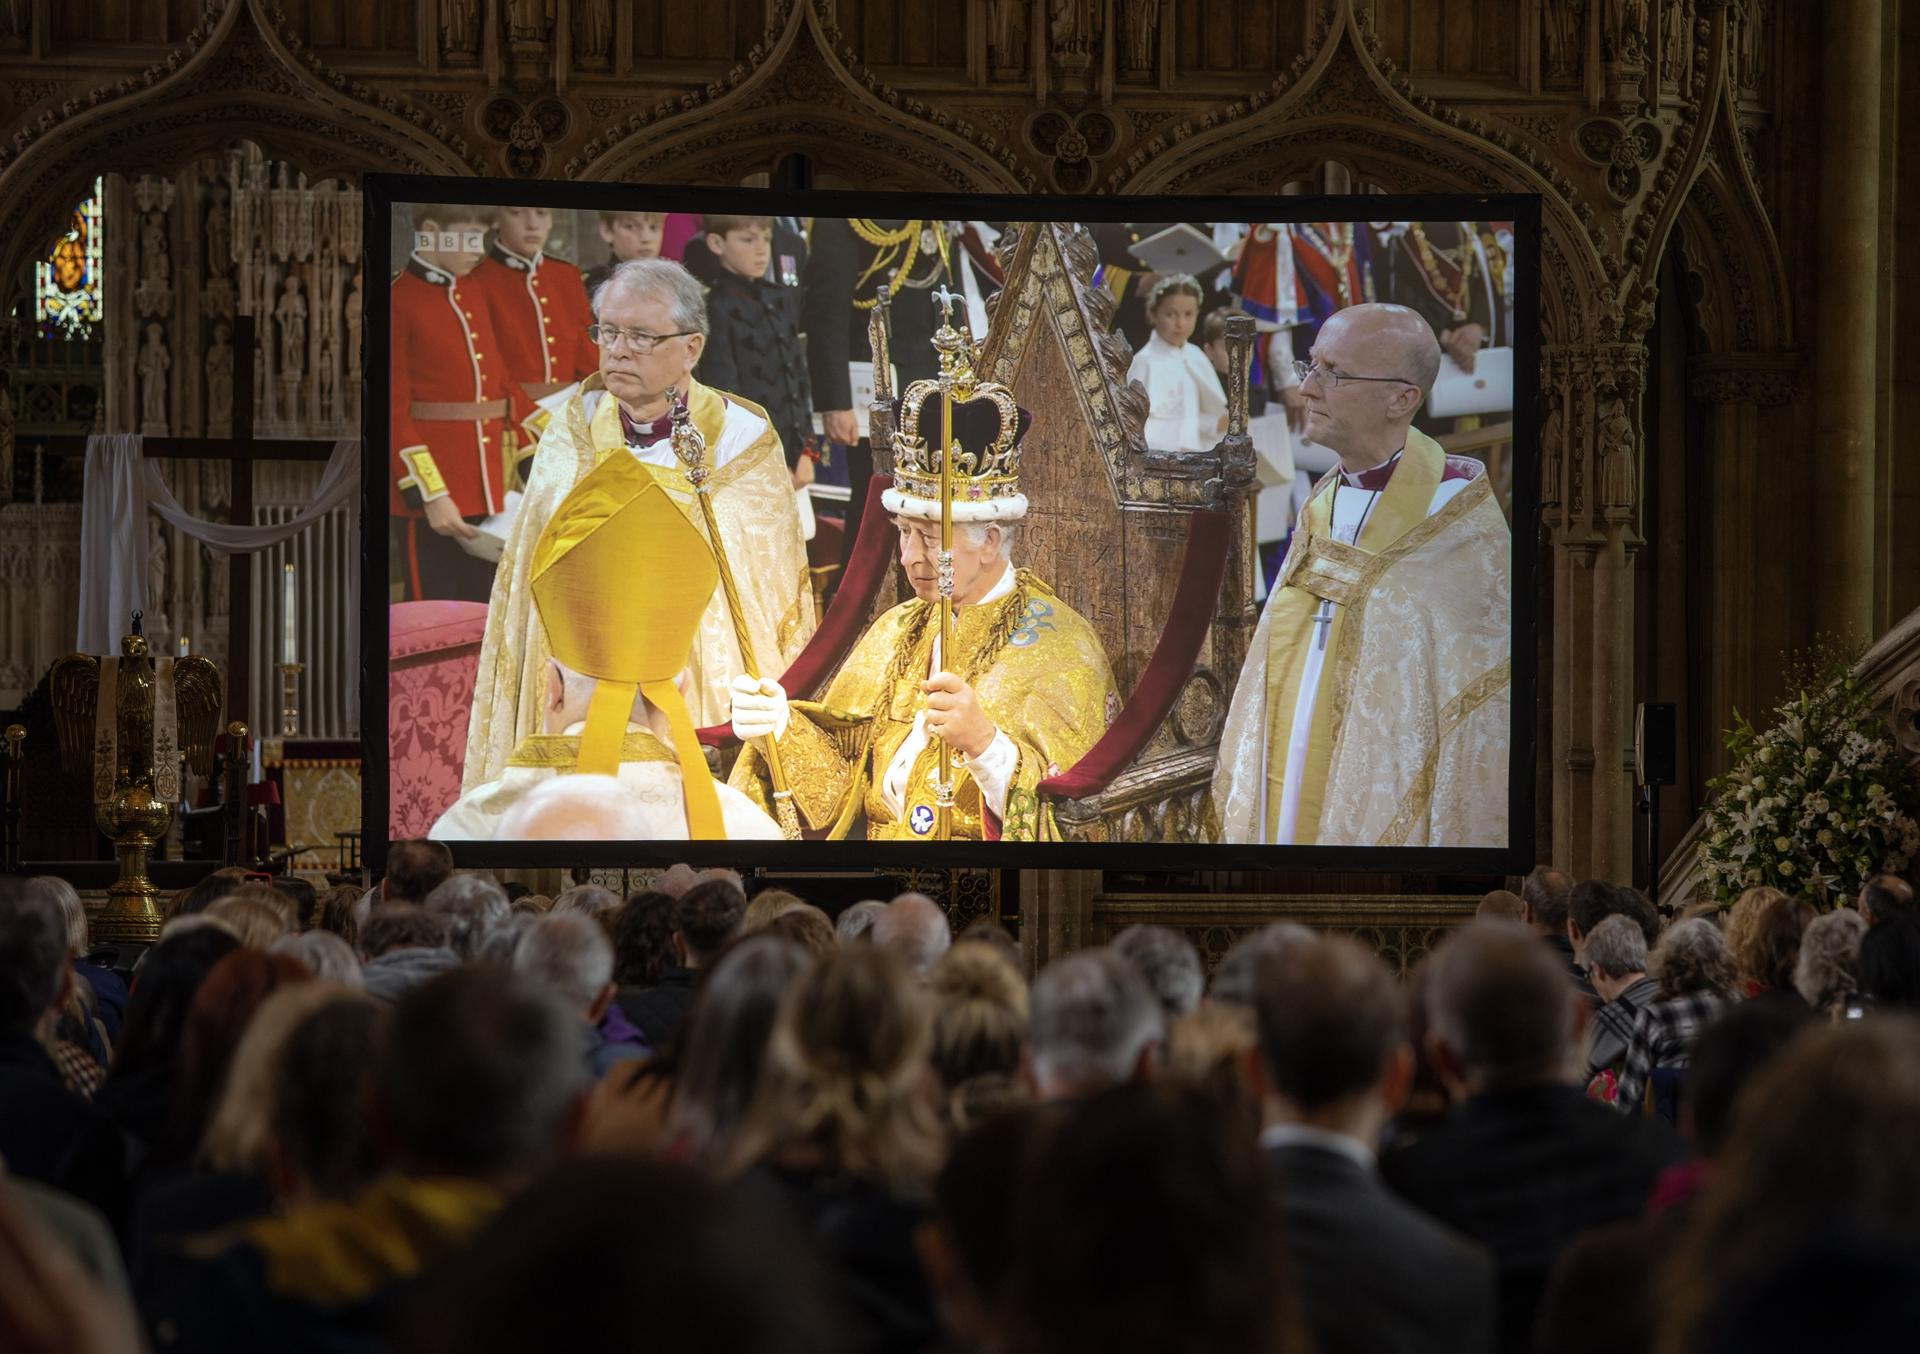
433	651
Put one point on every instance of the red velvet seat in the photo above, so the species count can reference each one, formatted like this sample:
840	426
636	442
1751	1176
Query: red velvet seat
433	657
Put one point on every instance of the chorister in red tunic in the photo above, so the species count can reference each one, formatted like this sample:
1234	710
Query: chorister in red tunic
541	313
451	405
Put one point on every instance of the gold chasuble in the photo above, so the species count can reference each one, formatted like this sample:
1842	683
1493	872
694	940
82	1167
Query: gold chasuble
1396	649
1042	679
752	495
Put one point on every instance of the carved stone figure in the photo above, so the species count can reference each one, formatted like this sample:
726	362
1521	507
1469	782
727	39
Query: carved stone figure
1007	34
158	576
220	382
1551	452
1753	46
153	364
292	315
324	361
592	32
214	569
1142	26
530	20
20	19
216	298
460	30
326	286
219	232
1565	37
1073	26
352	309
1616	456
1623	31
156	269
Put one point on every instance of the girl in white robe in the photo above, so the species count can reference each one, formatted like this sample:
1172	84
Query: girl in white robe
1186	406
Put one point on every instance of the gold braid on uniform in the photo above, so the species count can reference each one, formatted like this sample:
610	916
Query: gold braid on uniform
894	253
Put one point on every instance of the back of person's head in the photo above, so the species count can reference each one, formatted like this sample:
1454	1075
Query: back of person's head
676	879
402	926
326	955
569	955
643	939
1883	897
707	916
1738	921
914	927
1237	977
34	957
216	1022
1817	1141
1771	944
979	1015
1331	1020
848	1051
1692	956
415	869
563	1266
305	899
1500	1006
1209	1049
1099	1204
723	1048
1726	1055
1616	947
73	913
322	1137
806	926
986	931
211	889
503	941
1890	962
592	900
257	913
855	922
337	910
163	988
1827	971
1093	1023
765	906
472	904
1501	905
1169	963
239	1131
480	1075
971	1251
1547	892
1592	901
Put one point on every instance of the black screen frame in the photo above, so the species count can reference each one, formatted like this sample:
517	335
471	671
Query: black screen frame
381	193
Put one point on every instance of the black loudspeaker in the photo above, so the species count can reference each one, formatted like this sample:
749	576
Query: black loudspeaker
1653	745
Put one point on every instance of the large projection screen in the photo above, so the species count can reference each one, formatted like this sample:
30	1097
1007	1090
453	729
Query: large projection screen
660	565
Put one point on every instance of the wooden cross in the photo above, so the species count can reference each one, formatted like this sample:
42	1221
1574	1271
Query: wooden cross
241	451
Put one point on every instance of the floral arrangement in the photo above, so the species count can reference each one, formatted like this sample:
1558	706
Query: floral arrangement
1818	803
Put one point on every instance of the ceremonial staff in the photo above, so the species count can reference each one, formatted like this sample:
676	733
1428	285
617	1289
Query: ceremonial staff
954	372
690	446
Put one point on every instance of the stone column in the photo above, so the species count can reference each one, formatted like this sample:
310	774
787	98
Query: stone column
10	335
1847	310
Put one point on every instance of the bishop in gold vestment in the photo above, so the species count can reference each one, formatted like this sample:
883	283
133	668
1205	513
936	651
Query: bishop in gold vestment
1026	692
1374	707
651	326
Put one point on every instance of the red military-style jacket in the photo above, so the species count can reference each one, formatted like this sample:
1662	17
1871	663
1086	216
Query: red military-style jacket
541	313
451	405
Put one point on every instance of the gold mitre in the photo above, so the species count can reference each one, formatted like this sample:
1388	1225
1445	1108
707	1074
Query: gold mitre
987	429
620	578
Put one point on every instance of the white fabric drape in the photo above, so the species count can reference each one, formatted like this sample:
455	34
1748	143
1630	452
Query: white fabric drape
118	490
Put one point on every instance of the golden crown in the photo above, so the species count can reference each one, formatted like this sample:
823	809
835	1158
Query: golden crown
986	477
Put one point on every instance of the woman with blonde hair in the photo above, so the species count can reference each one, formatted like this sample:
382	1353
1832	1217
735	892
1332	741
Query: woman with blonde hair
1743	918
257	913
767	904
979	1033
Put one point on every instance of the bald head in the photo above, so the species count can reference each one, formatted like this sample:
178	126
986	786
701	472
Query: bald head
576	808
914	927
1372	368
1393	340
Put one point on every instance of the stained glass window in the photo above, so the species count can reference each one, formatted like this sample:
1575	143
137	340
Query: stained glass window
66	284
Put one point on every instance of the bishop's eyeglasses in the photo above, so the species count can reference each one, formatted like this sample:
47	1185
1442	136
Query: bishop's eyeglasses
1304	368
637	340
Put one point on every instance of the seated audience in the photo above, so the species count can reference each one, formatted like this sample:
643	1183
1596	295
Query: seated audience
1827	972
765	906
108	991
215	1023
1696	977
1738	923
337	910
1769	946
1616	955
326	955
1234	980
642	942
1525	1162
47	1133
1169	963
1890	963
592	900
477	1087
403	945
1093	1023
856	921
1140	1228
705	918
1883	897
842	1130
472	906
256	913
979	1030
1373	1273
806	926
1812	1150
568	955
1546	895
414	870
1599	1299
915	928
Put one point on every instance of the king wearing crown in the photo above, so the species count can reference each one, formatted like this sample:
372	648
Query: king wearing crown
954	706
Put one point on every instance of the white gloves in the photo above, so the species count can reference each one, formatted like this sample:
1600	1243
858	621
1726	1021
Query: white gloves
759	708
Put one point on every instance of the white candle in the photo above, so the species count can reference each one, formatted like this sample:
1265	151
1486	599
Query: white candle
185	648
286	616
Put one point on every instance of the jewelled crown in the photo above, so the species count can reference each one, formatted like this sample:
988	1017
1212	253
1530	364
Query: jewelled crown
987	429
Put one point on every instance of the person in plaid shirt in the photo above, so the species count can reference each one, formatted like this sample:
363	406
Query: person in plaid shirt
1616	954
1696	977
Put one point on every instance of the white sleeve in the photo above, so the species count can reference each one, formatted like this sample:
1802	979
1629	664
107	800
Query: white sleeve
993	771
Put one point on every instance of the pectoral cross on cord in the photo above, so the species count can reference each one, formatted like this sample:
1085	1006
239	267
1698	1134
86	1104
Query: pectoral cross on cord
1323	618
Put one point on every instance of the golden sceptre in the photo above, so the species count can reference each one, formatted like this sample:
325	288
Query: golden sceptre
690	447
954	373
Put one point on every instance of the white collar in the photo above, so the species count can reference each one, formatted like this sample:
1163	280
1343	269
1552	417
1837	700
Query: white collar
1158	344
1306	1135
1351	478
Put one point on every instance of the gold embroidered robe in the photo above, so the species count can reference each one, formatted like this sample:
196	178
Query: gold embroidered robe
1041	676
1411	727
753	501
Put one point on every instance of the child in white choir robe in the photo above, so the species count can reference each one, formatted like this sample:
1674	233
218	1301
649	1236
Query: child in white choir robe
1186	406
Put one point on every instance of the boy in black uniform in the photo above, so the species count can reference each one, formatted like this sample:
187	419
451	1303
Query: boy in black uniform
753	345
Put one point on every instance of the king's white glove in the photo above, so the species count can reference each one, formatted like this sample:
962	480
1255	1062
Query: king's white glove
759	708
